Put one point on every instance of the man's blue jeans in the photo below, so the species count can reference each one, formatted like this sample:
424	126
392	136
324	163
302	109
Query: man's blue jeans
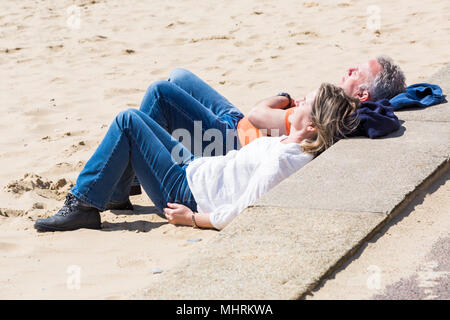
136	144
186	104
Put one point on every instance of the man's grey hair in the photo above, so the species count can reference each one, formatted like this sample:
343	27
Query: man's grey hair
389	82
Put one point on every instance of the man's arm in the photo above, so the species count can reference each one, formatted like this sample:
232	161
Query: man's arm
269	114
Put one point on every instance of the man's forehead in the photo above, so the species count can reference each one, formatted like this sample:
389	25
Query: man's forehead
373	66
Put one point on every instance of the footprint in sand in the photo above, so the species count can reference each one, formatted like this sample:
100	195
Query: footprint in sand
308	33
156	72
310	4
252	84
213	37
12	50
114	92
56	48
75	133
226	73
74	148
254	37
62	168
38	112
8	247
173	24
132	262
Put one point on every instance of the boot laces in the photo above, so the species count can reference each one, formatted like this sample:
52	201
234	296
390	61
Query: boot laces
69	204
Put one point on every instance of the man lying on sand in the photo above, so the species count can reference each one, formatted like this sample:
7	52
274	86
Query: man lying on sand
206	192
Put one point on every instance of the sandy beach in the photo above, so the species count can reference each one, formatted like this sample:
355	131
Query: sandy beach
68	67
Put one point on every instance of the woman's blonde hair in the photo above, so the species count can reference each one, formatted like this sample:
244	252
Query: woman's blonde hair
333	114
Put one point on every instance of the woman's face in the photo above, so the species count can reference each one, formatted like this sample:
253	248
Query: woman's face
300	119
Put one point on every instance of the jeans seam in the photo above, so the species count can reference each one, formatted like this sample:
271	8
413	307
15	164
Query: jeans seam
151	168
100	175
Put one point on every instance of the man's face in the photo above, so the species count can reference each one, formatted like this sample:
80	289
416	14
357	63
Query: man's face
357	76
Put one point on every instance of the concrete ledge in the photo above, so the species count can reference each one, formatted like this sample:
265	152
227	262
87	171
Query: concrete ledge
281	247
271	253
361	174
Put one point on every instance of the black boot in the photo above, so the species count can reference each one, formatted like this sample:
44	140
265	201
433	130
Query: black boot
120	206
135	187
135	190
73	215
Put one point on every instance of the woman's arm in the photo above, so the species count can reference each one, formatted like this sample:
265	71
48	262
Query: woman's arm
181	215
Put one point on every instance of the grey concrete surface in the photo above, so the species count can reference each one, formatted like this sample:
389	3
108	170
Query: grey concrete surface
305	227
271	253
361	174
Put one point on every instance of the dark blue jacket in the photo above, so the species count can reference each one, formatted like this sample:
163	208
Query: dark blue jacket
376	119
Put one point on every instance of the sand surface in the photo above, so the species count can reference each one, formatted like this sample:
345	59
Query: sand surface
68	67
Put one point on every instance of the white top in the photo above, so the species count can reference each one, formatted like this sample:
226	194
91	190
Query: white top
223	186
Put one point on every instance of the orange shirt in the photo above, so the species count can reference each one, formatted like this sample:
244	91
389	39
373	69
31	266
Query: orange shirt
247	132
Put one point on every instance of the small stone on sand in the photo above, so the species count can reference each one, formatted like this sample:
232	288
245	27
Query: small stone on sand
38	205
157	270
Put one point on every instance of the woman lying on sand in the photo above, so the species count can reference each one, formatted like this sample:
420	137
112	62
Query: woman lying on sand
205	192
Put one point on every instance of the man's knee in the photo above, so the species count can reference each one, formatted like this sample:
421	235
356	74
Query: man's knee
158	87
179	74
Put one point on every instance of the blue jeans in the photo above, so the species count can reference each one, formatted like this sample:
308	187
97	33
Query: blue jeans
187	106
136	144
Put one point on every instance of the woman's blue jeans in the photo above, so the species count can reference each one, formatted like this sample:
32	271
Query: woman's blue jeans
136	144
187	106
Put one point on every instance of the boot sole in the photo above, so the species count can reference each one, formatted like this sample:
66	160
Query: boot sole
40	227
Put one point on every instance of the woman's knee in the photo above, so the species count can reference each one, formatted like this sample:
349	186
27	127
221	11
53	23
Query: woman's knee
155	91
125	118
